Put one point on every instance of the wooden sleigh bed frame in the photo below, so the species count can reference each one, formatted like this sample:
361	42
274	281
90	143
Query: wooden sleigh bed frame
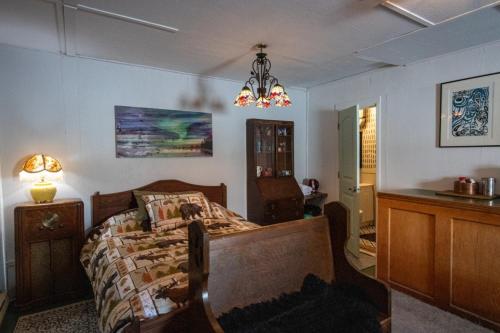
247	267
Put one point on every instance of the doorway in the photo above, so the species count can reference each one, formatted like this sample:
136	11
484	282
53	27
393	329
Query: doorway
358	181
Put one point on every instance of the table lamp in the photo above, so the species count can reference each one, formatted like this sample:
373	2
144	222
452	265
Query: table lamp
40	170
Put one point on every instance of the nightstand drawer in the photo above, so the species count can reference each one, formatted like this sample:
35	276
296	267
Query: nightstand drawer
51	223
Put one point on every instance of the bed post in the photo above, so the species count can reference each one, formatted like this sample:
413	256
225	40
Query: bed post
379	293
95	206
201	317
224	194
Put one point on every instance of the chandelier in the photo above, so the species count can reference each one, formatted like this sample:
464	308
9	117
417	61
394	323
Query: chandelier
262	87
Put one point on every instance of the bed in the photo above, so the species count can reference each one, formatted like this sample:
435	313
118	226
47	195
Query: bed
139	276
199	282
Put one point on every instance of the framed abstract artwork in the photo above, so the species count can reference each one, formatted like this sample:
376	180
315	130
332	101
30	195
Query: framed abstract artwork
146	132
470	112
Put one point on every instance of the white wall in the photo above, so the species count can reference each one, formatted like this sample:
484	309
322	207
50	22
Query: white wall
409	124
2	240
64	107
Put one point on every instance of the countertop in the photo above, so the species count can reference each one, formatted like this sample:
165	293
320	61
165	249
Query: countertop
430	197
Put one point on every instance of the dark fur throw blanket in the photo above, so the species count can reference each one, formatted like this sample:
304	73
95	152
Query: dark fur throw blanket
318	307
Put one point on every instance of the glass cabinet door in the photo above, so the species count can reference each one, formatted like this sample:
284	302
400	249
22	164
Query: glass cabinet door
284	150
264	150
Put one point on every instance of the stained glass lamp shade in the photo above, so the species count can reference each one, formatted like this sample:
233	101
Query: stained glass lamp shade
245	97
40	170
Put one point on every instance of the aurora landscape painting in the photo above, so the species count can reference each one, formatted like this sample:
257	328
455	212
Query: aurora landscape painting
147	132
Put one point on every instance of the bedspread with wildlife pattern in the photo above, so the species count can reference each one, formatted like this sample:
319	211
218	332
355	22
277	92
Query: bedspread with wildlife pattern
136	274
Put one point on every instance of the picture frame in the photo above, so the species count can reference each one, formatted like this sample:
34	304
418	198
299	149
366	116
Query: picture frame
147	132
470	112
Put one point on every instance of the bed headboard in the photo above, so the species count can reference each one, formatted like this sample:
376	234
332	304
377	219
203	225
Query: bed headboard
106	205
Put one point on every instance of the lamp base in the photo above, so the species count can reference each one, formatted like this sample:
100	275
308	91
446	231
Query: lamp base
43	192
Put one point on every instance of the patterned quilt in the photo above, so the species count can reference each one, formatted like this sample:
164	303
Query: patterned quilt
136	274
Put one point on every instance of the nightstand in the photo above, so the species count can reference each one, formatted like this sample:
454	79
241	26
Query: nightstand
49	238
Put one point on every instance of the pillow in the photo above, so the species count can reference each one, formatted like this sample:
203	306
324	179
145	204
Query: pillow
174	210
125	220
142	214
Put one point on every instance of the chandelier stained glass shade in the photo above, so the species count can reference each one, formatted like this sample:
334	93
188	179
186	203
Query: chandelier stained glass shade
262	88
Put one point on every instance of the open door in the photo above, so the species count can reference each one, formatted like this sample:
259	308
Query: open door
349	171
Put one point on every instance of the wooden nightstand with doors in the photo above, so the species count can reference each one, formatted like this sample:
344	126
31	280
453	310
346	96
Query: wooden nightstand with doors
49	238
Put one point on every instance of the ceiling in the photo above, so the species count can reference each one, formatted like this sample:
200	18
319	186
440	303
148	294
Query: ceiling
310	42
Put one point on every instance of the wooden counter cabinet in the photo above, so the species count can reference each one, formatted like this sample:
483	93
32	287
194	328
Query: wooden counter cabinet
48	242
443	251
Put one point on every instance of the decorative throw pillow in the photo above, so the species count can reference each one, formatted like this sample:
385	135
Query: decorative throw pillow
170	211
142	213
125	221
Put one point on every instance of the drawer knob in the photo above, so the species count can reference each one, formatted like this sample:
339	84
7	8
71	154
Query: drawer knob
49	221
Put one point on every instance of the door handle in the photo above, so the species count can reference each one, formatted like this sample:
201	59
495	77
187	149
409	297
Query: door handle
354	189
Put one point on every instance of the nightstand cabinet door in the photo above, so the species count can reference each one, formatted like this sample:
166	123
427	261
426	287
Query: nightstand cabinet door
48	241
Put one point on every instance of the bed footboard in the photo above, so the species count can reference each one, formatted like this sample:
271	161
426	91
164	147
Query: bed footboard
256	265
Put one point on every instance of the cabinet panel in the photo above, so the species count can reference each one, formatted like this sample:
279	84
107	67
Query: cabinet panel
475	270
41	281
264	150
63	269
411	255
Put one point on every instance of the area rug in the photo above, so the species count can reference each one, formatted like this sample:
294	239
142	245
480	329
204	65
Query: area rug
367	240
78	317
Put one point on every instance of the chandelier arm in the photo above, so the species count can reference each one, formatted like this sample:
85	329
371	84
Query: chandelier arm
255	69
269	77
262	73
250	82
268	62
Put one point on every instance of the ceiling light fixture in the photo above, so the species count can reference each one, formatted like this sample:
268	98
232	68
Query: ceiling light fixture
262	87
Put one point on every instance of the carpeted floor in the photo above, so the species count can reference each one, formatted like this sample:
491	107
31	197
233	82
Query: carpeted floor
413	316
78	317
408	316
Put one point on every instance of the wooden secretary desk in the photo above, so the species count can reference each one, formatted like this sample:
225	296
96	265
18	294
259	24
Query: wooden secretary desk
273	194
